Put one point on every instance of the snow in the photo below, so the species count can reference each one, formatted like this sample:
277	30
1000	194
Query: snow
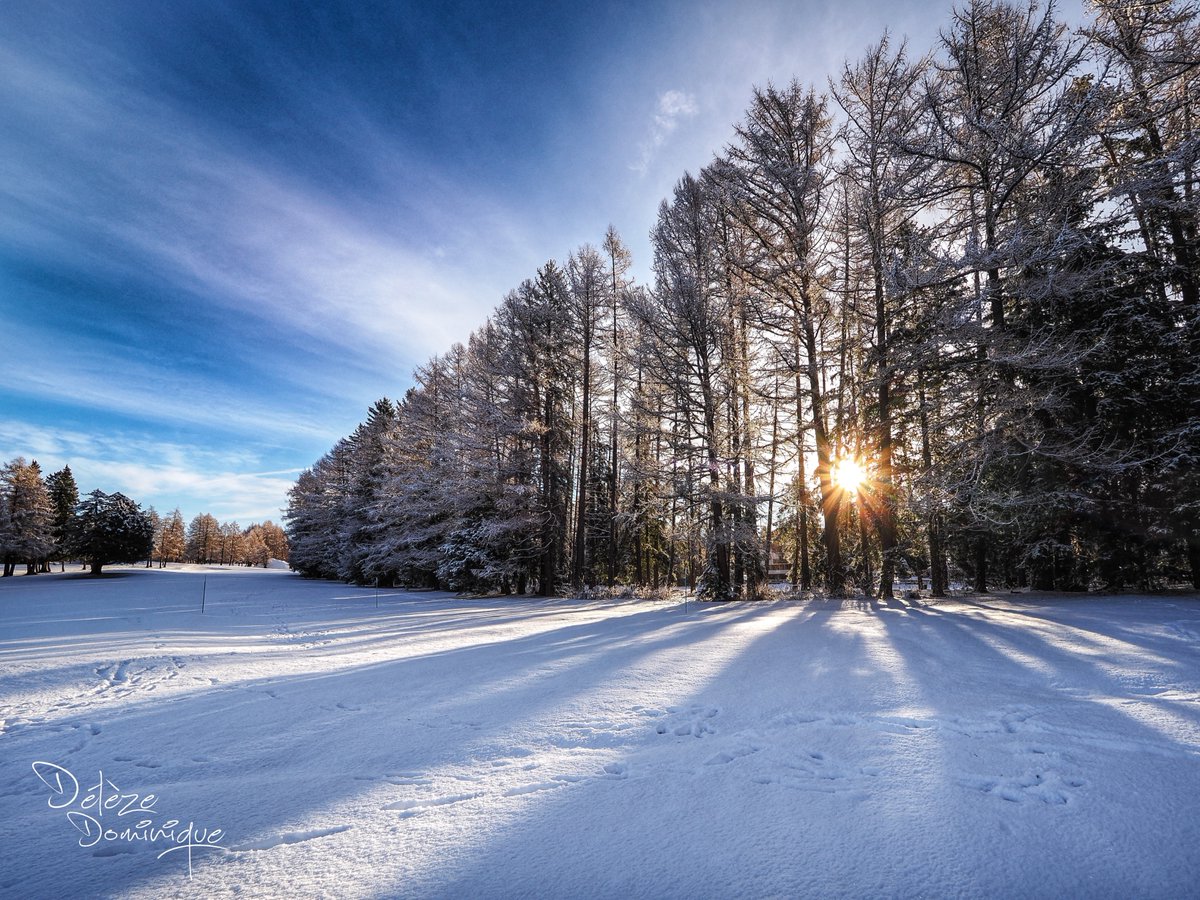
441	747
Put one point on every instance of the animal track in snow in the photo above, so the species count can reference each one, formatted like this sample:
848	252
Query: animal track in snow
409	808
534	788
290	837
1045	786
1040	781
128	676
726	757
691	720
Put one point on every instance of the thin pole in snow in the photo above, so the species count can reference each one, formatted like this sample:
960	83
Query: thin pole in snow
204	593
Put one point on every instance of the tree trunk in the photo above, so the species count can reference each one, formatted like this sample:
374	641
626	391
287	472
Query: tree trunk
548	562
579	557
981	564
886	488
771	476
937	553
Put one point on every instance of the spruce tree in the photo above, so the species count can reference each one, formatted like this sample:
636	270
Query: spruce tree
110	528
64	497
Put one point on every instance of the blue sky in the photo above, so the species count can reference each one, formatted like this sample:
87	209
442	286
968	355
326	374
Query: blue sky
227	227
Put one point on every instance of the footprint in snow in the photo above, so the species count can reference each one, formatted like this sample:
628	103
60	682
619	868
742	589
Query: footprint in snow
691	720
1036	786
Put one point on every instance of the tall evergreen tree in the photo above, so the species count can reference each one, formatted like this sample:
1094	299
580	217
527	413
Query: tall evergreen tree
64	497
110	528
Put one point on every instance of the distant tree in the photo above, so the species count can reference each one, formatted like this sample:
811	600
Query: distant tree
159	523
275	539
203	539
30	531
232	548
110	528
7	554
64	497
172	539
255	551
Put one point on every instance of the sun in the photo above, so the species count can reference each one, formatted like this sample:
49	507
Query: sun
849	474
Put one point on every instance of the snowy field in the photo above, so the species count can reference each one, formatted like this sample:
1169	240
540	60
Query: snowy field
441	747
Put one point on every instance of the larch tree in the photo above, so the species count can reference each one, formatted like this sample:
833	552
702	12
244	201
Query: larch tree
877	96
783	154
30	516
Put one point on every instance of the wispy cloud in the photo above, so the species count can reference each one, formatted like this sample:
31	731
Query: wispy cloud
673	106
230	484
241	234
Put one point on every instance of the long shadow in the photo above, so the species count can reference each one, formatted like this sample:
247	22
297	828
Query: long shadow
987	729
274	727
248	616
1075	672
693	815
447	713
1081	762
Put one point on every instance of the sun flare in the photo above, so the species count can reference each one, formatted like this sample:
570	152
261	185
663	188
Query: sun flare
849	474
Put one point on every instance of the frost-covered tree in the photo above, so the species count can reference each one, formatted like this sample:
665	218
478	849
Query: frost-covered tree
7	539
365	452
683	322
878	97
1008	117
783	163
973	273
585	274
314	514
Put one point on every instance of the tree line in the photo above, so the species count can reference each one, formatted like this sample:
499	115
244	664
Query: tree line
43	520
971	272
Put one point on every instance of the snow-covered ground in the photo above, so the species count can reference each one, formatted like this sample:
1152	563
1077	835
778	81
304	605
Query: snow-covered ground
434	746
